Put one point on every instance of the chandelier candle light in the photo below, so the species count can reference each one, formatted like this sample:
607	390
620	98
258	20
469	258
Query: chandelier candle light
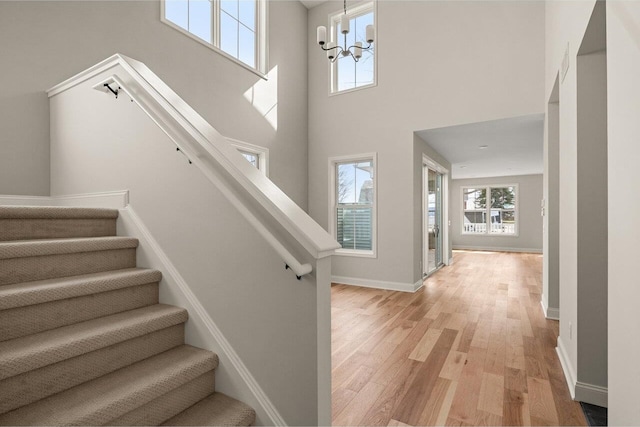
334	51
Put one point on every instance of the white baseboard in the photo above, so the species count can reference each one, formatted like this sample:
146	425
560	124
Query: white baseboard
550	313
106	199
496	249
232	376
567	368
378	284
450	261
593	394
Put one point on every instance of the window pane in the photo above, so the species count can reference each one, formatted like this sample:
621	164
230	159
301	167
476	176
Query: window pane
474	222
200	19
474	198
230	6
346	69
228	34
247	47
251	158
503	197
348	73
177	11
355	182
354	229
247	13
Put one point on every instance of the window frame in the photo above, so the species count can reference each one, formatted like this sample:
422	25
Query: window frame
487	210
334	19
333	203
262	40
261	152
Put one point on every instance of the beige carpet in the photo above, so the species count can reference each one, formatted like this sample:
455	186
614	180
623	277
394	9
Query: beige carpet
83	337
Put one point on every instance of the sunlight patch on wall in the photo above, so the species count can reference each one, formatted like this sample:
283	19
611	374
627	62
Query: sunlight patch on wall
264	97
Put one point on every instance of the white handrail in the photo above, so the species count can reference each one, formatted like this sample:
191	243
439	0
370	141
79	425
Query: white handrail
215	157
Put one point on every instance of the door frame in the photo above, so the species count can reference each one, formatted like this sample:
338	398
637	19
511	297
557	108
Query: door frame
428	162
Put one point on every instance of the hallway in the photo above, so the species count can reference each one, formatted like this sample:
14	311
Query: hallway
471	347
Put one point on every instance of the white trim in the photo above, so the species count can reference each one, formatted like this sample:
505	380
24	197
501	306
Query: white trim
262	41
261	152
9	200
450	261
169	271
593	394
333	161
487	210
105	199
358	9
496	249
549	313
211	152
378	284
569	375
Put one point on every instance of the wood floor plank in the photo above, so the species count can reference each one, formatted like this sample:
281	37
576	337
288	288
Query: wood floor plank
426	344
353	412
472	347
491	395
413	402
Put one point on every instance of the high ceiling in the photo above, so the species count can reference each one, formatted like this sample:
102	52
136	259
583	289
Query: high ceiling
513	147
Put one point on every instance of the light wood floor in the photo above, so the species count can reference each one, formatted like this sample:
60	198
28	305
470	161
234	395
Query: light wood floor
471	347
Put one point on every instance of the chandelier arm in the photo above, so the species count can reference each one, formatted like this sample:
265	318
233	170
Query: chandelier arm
363	48
326	49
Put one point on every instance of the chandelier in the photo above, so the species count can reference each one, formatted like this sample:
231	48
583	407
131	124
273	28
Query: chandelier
334	51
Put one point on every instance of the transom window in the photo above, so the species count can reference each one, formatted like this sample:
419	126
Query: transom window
235	28
256	155
353	215
495	216
346	74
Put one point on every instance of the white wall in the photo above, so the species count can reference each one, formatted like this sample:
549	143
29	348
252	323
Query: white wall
268	317
440	63
49	41
529	195
623	91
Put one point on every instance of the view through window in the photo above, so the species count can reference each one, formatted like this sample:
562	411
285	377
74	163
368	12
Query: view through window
494	216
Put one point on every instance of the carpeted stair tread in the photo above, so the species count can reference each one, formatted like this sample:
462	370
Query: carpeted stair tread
56	212
42	291
31	386
99	401
168	405
215	410
34	351
33	248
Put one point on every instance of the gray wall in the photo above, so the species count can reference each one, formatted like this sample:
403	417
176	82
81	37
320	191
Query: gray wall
530	221
440	63
46	42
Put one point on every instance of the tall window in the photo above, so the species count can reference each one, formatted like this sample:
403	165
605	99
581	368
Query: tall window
495	216
234	27
347	74
354	204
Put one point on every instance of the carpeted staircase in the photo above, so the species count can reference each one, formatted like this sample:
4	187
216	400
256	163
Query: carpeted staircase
83	339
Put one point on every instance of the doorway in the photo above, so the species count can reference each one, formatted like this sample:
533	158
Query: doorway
433	229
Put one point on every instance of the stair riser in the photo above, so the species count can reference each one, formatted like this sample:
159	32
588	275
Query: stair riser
168	405
16	270
22	321
34	385
24	229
